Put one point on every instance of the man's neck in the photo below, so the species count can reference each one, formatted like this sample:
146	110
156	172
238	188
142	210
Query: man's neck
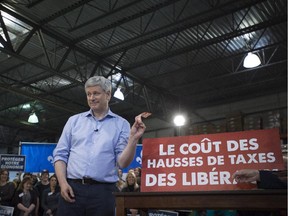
45	182
100	114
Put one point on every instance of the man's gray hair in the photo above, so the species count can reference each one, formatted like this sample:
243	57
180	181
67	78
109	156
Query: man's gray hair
101	81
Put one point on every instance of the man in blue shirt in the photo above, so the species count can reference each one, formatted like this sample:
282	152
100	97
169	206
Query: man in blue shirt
93	145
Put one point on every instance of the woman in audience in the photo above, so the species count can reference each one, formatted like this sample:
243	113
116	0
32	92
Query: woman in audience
25	199
131	185
50	197
6	188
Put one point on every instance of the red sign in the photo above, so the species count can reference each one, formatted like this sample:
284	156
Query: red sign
207	162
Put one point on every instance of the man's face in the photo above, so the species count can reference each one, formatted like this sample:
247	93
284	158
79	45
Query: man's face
45	176
97	99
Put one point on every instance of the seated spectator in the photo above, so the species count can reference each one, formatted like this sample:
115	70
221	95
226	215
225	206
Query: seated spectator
131	186
25	199
50	197
7	188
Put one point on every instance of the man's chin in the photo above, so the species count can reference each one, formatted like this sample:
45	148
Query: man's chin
93	106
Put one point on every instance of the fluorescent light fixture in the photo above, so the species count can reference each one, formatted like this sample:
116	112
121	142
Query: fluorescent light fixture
251	60
33	118
118	94
26	106
118	67
179	120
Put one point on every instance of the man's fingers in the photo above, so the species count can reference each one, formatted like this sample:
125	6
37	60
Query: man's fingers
143	114
68	195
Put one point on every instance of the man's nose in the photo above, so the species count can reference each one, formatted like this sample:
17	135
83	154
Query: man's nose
91	97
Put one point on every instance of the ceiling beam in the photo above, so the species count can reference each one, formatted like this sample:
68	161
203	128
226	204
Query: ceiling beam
214	40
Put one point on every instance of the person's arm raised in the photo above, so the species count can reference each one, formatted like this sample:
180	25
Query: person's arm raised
136	132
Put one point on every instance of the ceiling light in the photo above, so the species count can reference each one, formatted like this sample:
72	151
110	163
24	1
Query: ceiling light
33	118
251	60
26	106
118	94
179	120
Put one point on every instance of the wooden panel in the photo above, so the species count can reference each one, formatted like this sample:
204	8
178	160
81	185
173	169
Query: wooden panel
240	200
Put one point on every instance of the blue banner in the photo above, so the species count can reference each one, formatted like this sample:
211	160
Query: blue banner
137	161
39	156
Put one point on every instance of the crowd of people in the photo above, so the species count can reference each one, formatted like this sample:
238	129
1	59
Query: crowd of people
30	194
38	195
33	195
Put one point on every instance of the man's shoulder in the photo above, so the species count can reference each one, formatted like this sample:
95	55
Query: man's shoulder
80	115
116	116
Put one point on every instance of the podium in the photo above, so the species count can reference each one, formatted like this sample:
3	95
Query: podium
258	199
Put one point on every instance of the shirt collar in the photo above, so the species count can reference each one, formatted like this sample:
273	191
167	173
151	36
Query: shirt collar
110	114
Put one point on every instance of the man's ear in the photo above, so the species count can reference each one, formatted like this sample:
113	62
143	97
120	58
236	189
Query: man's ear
108	95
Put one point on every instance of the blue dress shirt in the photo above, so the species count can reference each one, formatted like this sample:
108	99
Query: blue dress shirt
90	147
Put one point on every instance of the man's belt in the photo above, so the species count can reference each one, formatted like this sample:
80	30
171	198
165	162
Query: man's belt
88	181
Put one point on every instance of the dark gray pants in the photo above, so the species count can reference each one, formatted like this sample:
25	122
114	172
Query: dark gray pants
90	200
